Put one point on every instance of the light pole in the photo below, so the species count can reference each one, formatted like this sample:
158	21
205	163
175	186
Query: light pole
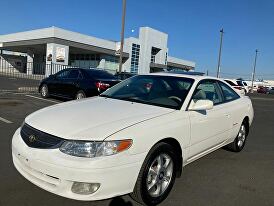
254	69
122	36
220	53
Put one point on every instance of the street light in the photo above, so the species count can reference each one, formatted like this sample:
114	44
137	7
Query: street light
220	53
122	37
254	69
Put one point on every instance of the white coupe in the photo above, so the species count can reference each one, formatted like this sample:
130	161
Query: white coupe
134	138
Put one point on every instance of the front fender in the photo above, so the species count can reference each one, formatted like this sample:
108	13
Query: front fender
146	134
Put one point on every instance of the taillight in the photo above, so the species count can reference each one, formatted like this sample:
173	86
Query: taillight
102	86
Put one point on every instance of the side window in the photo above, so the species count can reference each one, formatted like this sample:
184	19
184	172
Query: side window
228	92
208	89
74	74
62	74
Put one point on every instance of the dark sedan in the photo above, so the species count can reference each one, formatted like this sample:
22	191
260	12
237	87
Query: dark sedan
124	75
77	83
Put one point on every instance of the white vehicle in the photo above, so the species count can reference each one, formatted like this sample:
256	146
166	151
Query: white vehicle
134	138
244	85
238	87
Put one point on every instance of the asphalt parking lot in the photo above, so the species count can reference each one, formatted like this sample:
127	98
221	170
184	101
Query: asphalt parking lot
221	178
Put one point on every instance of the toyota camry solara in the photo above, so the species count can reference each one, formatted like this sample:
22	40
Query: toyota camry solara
134	138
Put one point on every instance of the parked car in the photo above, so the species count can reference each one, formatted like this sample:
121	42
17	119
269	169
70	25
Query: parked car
235	85
77	83
134	138
243	84
263	90
271	91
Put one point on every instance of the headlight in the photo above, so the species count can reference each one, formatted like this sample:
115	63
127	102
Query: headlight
94	149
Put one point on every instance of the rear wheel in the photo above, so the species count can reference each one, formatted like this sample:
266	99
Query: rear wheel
44	91
80	95
238	144
157	175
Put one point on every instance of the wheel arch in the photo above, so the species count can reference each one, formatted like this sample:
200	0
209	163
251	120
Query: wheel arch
178	149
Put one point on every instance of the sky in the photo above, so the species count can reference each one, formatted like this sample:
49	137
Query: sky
193	27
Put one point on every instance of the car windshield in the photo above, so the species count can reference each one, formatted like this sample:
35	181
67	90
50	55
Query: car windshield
99	74
163	91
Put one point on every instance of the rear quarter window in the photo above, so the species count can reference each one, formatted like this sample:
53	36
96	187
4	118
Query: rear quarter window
229	93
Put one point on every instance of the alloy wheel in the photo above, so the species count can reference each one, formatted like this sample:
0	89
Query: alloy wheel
241	136
159	175
80	95
44	91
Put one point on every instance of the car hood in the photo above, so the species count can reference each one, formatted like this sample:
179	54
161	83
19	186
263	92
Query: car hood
92	118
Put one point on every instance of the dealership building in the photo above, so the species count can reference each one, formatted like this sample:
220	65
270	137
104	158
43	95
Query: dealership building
33	51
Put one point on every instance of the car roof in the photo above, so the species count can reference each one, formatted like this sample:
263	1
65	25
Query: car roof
195	77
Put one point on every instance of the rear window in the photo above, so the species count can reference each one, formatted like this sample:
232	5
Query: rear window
240	83
99	74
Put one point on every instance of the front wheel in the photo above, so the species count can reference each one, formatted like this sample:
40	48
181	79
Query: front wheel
157	175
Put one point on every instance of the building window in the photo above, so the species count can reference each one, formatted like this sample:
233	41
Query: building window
166	59
154	51
135	52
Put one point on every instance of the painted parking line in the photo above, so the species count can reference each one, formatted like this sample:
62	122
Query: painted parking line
47	100
5	120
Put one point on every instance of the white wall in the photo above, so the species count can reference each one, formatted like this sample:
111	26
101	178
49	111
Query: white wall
148	38
151	38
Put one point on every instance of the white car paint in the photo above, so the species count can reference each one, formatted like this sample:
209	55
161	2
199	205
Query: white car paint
95	118
99	118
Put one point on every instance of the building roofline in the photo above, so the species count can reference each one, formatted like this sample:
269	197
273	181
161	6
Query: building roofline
7	45
173	61
55	32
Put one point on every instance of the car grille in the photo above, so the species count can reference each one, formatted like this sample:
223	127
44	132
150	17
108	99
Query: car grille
37	139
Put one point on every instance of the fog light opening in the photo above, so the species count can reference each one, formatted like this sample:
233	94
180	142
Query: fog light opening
83	188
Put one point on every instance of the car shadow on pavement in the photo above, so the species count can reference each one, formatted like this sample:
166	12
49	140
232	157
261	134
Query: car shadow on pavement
118	201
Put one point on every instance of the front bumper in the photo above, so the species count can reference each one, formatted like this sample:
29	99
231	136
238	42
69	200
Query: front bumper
55	172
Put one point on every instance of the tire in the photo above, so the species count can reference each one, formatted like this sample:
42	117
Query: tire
80	95
239	142
156	177
44	91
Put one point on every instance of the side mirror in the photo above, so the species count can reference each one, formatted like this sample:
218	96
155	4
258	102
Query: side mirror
202	104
